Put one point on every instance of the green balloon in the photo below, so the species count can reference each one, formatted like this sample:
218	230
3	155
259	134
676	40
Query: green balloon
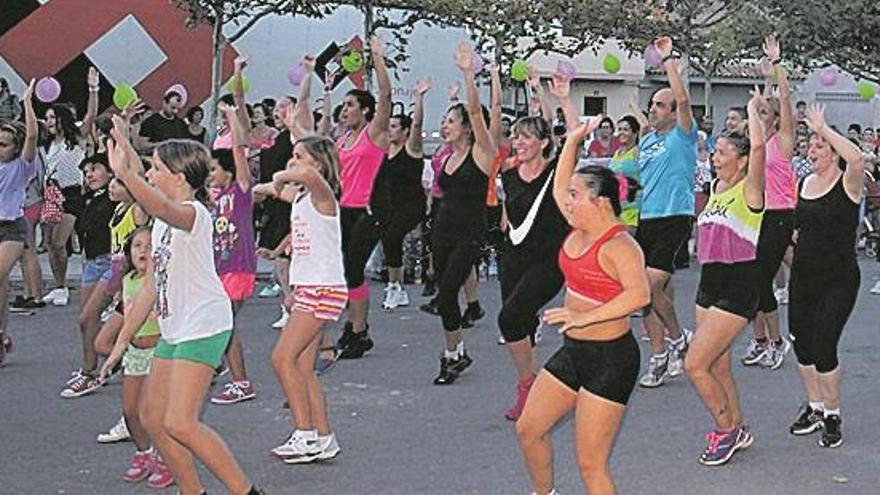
866	90
519	71
353	62
611	64
124	95
245	84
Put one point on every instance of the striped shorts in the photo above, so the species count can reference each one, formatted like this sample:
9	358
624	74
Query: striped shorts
325	302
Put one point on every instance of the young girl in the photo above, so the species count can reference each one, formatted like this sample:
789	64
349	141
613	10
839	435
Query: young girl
234	250
134	346
194	313
319	293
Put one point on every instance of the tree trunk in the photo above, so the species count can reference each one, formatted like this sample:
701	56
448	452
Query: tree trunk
707	95
219	43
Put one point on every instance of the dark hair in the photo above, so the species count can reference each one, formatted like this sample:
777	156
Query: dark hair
336	111
3	83
96	159
224	159
170	95
800	103
633	123
602	182
740	141
405	120
65	120
227	99
854	127
539	128
18	132
365	100
607	120
463	113
268	102
740	110
129	240
192	111
190	158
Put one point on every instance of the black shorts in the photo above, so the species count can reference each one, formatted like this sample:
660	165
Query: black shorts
730	287
661	238
74	203
14	230
608	368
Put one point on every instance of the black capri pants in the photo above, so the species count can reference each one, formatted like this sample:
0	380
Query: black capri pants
453	264
819	306
773	240
360	234
403	220
527	284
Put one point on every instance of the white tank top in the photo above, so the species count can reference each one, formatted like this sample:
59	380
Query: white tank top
316	245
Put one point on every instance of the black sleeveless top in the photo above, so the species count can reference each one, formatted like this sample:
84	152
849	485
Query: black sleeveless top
549	228
826	231
462	213
405	175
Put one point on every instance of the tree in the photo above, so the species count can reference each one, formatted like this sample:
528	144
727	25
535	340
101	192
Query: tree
241	15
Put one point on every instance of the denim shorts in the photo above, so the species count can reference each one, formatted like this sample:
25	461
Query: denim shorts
94	269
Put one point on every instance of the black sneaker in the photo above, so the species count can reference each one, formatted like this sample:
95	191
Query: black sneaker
809	421
430	288
32	303
359	345
346	337
831	437
19	302
447	372
430	307
471	315
462	363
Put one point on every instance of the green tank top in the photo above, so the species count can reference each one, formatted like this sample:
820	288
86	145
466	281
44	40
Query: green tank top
130	288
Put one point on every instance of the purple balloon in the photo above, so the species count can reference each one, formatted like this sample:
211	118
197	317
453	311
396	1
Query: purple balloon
47	89
566	69
652	56
477	63
296	74
828	76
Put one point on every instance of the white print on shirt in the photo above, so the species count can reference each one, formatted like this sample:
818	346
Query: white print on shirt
225	231
161	261
301	241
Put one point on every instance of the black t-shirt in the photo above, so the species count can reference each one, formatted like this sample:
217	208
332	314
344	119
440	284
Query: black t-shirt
157	128
461	217
549	228
93	226
276	224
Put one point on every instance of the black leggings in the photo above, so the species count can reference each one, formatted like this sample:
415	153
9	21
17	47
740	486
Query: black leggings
774	239
403	220
453	264
819	307
360	234
527	284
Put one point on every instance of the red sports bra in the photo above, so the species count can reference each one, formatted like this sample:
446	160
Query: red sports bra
584	275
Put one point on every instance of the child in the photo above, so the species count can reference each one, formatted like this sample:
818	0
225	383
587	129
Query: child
194	313
319	293
234	248
134	346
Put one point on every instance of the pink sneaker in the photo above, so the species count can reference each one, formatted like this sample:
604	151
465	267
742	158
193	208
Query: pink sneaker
235	392
139	468
522	393
161	477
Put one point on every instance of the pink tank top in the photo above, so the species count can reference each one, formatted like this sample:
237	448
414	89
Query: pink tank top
781	192
359	167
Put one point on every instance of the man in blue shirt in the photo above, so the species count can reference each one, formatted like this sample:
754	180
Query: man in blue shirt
668	160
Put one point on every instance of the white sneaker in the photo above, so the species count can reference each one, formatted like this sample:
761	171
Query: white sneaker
876	289
501	340
678	351
53	294
282	321
298	449
330	447
402	296
776	354
656	373
391	297
782	295
119	433
62	297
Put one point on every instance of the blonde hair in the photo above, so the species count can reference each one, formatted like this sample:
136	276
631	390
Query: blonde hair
324	151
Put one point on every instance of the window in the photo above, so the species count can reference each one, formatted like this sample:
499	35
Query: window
594	105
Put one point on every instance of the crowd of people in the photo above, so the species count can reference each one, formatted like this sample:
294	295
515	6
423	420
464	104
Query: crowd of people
170	227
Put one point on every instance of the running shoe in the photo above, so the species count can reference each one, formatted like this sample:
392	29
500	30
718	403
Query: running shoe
59	296
430	288
118	433
346	337
447	373
430	307
471	315
745	438
462	363
876	288
831	435
402	296
234	392
281	322
720	447
161	477
138	469
391	298
329	447
84	384
808	421
657	372
26	303
501	340
522	393
755	353
360	344
776	354
298	449
325	364
269	291
677	352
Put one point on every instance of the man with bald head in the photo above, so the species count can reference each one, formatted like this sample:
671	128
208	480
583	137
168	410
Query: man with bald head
668	160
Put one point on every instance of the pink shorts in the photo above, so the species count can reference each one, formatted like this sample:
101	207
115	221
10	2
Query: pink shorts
32	213
325	302
239	285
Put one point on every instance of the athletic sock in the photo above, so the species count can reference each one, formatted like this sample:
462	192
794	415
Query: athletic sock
817	406
453	354
830	412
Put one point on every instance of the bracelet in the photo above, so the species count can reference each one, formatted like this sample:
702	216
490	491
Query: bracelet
667	58
94	89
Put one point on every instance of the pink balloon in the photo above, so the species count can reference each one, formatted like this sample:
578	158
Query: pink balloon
652	56
566	69
181	90
477	63
296	74
47	89
828	76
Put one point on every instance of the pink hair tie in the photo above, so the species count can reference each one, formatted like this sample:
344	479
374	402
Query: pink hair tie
622	187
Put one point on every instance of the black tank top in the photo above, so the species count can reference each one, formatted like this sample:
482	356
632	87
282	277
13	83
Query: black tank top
549	228
405	175
462	213
826	231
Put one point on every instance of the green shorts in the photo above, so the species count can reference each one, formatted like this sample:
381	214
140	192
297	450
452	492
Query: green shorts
136	361
208	351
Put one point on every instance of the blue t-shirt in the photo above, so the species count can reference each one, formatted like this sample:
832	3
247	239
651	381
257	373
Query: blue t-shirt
14	177
668	164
